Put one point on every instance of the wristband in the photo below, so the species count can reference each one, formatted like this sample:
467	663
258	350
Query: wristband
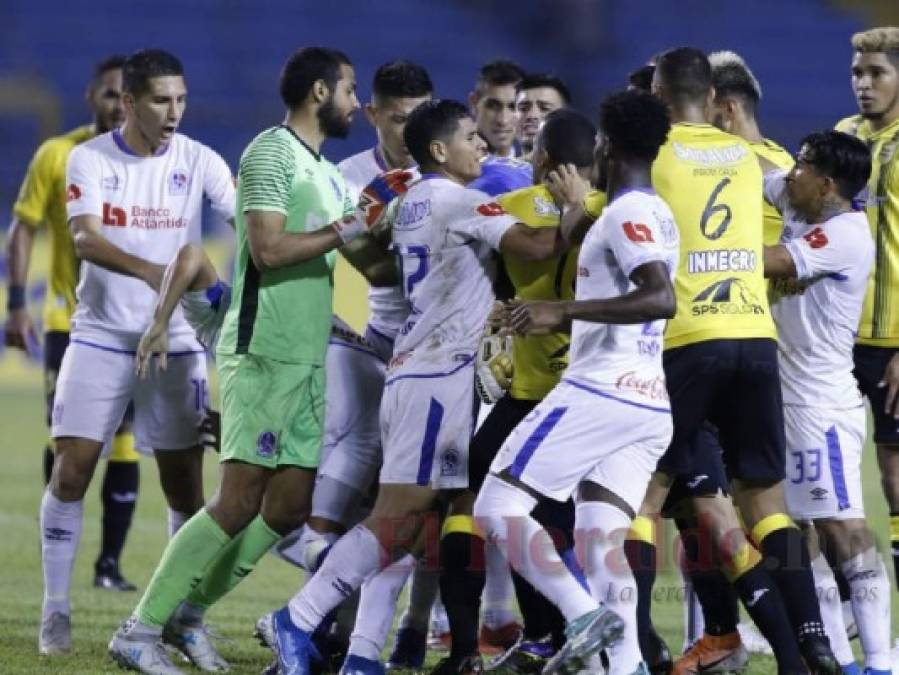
348	228
15	298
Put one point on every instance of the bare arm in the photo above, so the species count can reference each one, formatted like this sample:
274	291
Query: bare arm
532	243
19	328
652	299
91	245
779	263
272	247
372	260
569	189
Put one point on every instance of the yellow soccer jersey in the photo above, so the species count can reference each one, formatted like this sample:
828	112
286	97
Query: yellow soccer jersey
713	183
42	202
538	359
773	223
879	324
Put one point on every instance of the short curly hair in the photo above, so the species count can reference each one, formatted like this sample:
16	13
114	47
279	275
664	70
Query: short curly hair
635	123
402	79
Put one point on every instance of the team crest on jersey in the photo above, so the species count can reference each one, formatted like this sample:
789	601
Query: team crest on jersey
112	183
545	207
449	463
179	182
73	193
266	443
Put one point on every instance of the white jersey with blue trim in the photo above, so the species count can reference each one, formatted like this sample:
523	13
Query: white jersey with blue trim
387	305
443	234
818	312
617	360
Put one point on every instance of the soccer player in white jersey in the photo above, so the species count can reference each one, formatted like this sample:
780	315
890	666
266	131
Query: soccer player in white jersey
609	417
443	234
821	269
135	196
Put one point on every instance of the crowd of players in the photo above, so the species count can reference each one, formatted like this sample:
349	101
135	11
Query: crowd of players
667	313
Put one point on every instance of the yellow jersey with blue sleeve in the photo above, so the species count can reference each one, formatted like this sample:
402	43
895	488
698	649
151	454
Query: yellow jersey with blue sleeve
713	183
879	325
772	221
538	360
42	203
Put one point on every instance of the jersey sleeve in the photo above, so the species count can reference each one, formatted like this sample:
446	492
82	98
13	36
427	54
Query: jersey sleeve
84	196
34	194
266	174
218	185
635	236
775	183
826	249
476	216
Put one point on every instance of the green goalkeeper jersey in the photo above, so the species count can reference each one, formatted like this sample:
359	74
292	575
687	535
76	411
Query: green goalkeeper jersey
284	314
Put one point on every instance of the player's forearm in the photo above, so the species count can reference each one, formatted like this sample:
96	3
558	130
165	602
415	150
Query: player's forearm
779	263
574	224
639	306
180	276
533	244
372	260
95	248
18	253
282	249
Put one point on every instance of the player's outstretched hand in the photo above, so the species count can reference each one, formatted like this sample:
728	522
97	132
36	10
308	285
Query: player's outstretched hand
891	382
567	186
538	318
154	342
372	204
19	331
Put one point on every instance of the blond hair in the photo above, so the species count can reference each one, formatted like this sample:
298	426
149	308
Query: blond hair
883	39
731	75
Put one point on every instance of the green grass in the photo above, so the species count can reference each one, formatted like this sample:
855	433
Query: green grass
96	613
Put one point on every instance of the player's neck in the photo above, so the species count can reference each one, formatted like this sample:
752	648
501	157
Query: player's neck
830	208
138	143
389	161
625	176
688	113
748	130
305	124
883	121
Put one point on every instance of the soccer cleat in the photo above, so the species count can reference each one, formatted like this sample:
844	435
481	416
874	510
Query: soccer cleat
440	641
108	577
713	654
193	640
872	671
527	657
293	647
356	665
658	657
753	640
142	652
408	650
818	656
56	635
455	665
586	635
492	641
265	632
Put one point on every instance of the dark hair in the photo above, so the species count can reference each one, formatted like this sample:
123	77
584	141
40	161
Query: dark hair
686	73
732	77
568	138
114	62
635	123
402	79
499	73
304	68
141	66
641	78
431	120
537	80
842	157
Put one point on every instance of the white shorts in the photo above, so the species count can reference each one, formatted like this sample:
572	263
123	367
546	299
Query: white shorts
579	433
96	383
426	425
824	462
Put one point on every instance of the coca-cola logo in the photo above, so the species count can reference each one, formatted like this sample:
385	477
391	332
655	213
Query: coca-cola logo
653	389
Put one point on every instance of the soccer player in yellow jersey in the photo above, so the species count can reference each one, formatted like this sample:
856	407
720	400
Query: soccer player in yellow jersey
875	81
721	364
42	203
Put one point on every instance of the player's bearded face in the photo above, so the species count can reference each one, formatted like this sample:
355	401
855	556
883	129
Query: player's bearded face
336	114
498	116
875	82
105	99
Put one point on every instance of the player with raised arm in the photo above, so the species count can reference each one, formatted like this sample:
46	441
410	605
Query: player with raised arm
134	197
820	271
443	233
41	203
536	96
270	359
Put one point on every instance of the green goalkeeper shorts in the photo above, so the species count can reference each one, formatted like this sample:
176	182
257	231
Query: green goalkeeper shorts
272	412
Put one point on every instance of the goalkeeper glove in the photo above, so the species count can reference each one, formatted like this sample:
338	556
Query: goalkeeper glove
493	375
373	201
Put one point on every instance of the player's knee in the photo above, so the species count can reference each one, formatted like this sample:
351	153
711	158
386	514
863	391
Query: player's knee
284	518
70	479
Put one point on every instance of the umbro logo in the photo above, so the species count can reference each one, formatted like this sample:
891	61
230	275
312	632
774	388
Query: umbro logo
696	480
819	494
757	595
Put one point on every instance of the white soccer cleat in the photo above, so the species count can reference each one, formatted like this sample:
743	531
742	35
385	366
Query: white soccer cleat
753	641
194	641
56	635
141	652
265	631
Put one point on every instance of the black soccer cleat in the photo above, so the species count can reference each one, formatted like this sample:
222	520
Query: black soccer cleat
818	656
108	577
456	665
656	654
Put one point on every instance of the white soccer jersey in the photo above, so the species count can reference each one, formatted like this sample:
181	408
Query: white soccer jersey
149	207
387	305
443	234
817	314
622	361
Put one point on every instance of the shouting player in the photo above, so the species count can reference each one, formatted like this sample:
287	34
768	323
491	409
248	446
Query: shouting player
536	96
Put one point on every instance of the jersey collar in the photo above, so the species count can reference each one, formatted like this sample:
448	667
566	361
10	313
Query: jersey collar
124	147
312	152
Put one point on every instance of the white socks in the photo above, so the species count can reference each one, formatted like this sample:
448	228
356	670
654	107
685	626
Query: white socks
503	513
601	529
869	588
60	533
355	557
499	590
375	615
176	520
302	548
831	610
